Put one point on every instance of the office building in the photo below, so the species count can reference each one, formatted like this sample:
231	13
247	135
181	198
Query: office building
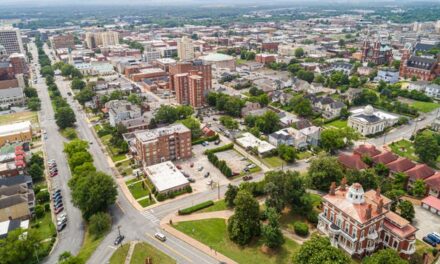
10	39
63	41
101	39
166	178
185	49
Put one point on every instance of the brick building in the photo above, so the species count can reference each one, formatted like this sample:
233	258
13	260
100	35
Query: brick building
63	42
162	144
376	53
190	88
361	222
425	69
205	71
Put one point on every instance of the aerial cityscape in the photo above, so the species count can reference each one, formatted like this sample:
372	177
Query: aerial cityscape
219	132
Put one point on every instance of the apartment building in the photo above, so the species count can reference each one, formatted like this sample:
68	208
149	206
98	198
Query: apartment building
361	222
101	39
204	71
17	198
162	144
121	110
190	89
185	49
63	41
10	39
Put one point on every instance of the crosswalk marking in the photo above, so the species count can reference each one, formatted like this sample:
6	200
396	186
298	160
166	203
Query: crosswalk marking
150	217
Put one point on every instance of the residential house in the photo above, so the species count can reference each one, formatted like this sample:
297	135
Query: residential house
433	90
121	110
17	198
388	75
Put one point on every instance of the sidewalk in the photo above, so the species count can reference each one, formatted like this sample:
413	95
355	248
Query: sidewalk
164	223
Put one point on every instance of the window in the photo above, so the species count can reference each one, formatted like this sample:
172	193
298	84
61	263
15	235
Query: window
395	243
347	227
354	232
331	217
386	238
325	212
363	233
339	222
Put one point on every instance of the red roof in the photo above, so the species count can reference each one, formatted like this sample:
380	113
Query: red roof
368	150
19	157
432	202
398	225
18	148
420	171
19	152
352	161
434	181
19	163
385	157
400	165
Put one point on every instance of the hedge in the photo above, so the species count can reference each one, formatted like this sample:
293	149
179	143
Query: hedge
219	149
201	140
220	164
301	229
195	208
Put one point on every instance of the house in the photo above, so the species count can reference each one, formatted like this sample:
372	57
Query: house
313	135
344	67
433	185
419	86
432	204
329	107
352	161
288	136
400	165
249	141
249	107
419	172
385	157
287	119
10	225
361	223
366	150
388	75
120	110
352	93
433	90
17	198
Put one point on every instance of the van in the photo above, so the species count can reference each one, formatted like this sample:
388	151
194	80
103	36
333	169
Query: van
160	236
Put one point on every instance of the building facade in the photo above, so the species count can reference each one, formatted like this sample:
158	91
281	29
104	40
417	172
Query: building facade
162	144
361	223
18	132
425	69
376	53
10	39
369	121
185	49
186	67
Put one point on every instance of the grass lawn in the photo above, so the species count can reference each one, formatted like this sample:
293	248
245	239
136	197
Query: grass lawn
124	168
144	250
44	227
114	151
404	148
132	180
213	232
337	123
146	202
220	205
273	161
138	191
89	246
240	61
304	155
425	107
19	117
120	254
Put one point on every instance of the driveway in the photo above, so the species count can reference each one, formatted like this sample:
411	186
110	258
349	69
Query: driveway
426	222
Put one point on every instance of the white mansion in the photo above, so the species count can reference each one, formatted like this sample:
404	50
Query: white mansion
368	121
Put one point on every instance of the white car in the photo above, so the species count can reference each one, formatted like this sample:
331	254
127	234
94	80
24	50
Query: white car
160	236
200	168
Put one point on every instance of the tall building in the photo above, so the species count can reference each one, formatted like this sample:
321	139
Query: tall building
361	222
190	89
162	144
185	49
186	67
10	39
376	53
425	69
63	41
101	39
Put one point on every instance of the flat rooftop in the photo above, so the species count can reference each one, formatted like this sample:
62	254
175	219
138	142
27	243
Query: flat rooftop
165	176
152	134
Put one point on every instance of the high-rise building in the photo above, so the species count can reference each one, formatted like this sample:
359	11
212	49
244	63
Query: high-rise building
186	67
10	39
101	39
190	89
63	41
162	144
185	49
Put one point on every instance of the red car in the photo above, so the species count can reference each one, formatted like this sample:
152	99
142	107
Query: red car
53	174
179	167
59	210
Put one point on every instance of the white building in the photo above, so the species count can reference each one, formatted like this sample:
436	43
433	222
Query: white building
433	90
13	96
249	141
185	49
369	121
10	39
120	110
220	61
166	177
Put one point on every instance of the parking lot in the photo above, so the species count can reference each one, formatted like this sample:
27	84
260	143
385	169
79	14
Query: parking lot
425	221
235	160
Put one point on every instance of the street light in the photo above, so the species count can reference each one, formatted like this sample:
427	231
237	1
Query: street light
119	230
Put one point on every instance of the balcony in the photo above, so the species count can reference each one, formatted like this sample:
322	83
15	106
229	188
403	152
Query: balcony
410	251
373	235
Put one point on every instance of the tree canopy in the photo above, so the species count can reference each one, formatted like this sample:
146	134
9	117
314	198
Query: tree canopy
323	171
318	250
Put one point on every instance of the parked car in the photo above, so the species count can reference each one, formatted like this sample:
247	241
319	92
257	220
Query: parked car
179	167
200	168
217	142
57	198
235	173
118	240
59	209
62	221
61	217
191	180
434	238
55	195
58	205
429	241
160	236
436	234
61	227
251	166
53	174
247	178
206	175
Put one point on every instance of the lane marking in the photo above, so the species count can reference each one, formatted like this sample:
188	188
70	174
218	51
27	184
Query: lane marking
170	248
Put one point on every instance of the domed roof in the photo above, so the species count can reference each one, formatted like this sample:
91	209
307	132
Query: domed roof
368	110
355	194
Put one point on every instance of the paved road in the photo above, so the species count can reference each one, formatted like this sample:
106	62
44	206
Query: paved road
70	239
405	131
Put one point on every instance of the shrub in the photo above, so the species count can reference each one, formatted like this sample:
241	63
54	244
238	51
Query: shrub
39	211
219	149
196	208
42	197
160	197
99	223
434	252
201	140
47	207
312	217
301	229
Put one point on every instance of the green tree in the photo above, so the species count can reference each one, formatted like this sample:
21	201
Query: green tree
74	146
323	171
367	178
94	193
419	188
193	125
19	248
396	64
85	95
269	122
36	159
406	210
400	180
229	122
384	256
47	71
318	250
65	117
355	82
427	147
307	76
36	172
30	92
301	106
245	223
79	158
34	104
99	224
332	140
381	170
230	194
134	99
299	52
66	70
287	153
319	79
78	84
271	233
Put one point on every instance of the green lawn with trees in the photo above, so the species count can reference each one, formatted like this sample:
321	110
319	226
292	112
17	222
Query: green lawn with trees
425	107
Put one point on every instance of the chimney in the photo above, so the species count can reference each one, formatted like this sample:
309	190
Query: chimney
378	192
343	184
368	212
333	188
380	206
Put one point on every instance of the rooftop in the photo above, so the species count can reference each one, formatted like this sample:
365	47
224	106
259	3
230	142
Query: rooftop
11	129
165	176
216	57
148	135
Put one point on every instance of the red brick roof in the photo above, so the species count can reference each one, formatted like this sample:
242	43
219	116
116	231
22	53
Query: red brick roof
420	171
434	181
369	150
432	202
398	225
385	157
352	161
400	165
